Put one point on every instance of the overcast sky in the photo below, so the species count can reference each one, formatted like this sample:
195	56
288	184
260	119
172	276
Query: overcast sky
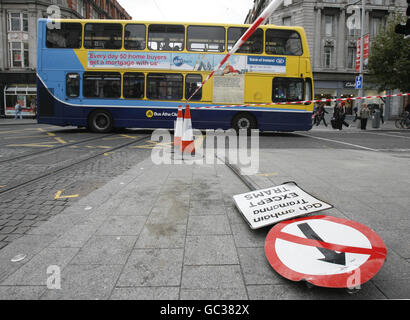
219	11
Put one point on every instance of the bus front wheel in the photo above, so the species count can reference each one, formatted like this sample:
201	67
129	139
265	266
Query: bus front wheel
244	120
100	121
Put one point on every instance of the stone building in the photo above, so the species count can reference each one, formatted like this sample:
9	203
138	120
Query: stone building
332	37
18	42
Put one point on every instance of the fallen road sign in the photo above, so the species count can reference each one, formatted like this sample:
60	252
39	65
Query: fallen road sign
261	208
325	251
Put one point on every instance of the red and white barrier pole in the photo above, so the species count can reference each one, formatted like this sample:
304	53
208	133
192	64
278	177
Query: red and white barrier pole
265	14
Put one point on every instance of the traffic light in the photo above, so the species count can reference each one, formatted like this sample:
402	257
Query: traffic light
404	28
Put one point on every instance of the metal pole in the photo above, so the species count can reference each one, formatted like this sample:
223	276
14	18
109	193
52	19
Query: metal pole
361	51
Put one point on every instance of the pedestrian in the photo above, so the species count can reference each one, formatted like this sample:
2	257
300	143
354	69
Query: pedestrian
315	114
321	115
355	109
382	112
364	115
18	109
339	116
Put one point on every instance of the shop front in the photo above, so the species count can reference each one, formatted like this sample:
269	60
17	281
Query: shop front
23	95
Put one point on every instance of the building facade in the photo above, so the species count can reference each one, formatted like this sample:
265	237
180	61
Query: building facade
332	36
18	42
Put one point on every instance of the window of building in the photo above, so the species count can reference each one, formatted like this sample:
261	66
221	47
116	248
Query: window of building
166	37
134	85
103	36
328	25
69	35
164	86
81	7
72	85
287	21
134	37
375	24
18	52
102	85
286	42
351	57
192	82
287	89
328	57
206	39
17	21
254	44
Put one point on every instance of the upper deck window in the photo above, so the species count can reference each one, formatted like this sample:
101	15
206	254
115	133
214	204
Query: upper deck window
166	37
68	35
254	44
103	36
284	42
134	37
206	39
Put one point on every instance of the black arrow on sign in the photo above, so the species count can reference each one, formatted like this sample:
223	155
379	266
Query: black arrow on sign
330	255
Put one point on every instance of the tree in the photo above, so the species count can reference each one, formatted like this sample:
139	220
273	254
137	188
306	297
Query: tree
389	62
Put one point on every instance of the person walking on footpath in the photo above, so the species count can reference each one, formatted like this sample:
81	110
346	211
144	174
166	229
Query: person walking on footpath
339	116
18	109
381	113
364	115
321	115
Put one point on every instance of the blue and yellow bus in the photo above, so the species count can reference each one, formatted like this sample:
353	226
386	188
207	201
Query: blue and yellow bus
126	74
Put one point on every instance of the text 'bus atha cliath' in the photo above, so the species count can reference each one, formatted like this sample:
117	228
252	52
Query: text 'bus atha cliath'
119	74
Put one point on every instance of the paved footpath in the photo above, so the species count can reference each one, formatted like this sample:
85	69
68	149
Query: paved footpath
172	232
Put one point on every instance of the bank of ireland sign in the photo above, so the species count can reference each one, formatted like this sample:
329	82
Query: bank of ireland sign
266	64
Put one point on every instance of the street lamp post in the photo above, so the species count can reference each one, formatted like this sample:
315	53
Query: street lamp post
361	51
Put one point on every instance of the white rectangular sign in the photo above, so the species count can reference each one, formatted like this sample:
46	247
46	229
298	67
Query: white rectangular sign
268	206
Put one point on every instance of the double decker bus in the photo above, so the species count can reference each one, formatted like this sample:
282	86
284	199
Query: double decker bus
126	74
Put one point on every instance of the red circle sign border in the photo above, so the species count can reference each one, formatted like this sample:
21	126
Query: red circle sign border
367	270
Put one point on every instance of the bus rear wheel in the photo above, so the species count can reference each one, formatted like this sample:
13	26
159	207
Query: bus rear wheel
244	120
100	121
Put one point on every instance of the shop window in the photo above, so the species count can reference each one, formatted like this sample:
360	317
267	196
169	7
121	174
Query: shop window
164	86
103	36
287	89
166	37
72	85
254	44
285	42
192	82
102	85
206	39
134	85
69	35
18	52
17	21
134	37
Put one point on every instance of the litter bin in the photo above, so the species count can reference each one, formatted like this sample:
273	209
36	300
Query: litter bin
376	118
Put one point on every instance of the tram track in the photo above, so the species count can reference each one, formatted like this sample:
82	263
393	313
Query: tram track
67	145
21	184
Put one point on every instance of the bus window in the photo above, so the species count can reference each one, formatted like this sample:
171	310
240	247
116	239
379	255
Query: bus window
164	86
192	82
287	89
285	42
69	35
166	37
206	39
254	44
72	85
134	37
134	85
103	36
102	85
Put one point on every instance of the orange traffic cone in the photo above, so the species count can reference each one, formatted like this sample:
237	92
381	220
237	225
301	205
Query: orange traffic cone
178	128
187	144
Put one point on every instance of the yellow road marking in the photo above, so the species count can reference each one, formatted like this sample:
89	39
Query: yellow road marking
98	147
108	153
50	134
60	140
32	145
59	196
127	136
267	174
